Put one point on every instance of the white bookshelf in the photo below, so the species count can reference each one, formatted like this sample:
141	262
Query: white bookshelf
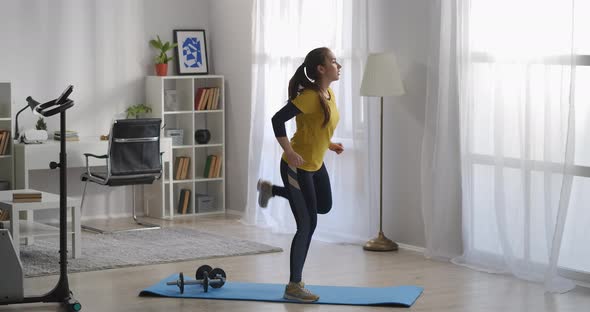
6	123
163	201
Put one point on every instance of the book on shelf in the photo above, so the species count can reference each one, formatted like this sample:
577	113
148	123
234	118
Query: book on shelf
184	199
180	198
207	166
211	93
182	165
212	166
210	98
207	98
198	98
4	141
4	215
26	197
27	194
70	135
216	99
217	171
177	161
186	167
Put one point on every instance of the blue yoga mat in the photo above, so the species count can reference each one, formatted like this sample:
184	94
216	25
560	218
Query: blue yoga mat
398	296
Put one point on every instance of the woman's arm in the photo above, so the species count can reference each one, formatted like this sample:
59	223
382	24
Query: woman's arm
278	124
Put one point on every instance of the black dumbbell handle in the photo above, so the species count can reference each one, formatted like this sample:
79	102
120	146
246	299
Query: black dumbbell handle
218	280
198	282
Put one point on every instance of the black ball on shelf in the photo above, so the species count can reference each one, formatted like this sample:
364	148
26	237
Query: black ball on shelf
202	136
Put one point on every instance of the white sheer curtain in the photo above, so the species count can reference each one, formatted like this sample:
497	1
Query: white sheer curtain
284	31
440	164
522	71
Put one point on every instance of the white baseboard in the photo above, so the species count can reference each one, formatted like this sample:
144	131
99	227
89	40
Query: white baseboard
412	248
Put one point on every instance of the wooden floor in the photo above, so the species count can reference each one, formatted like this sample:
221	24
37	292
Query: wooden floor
447	287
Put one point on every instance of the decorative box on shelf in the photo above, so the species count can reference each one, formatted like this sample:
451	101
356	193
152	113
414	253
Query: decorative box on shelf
205	203
177	136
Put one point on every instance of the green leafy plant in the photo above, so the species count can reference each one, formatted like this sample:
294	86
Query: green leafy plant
41	125
163	47
136	110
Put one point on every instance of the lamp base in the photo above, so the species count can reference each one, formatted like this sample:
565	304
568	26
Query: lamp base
380	243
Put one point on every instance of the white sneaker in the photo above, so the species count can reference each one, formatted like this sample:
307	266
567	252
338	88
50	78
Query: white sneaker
264	192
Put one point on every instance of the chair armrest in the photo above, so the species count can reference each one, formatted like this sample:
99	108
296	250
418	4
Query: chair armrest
95	156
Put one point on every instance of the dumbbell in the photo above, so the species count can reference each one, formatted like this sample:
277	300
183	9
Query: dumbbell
205	276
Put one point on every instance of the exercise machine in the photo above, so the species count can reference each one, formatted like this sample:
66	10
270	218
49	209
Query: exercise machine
11	288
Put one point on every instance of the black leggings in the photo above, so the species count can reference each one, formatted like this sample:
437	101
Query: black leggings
309	193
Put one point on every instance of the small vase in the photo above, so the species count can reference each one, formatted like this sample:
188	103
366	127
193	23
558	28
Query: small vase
162	69
202	136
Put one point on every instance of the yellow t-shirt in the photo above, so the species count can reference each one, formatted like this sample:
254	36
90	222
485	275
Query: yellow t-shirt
311	140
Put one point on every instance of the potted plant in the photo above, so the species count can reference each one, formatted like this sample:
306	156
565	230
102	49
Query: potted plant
162	58
41	125
41	128
138	110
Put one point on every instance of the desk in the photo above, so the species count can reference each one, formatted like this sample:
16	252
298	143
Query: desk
29	229
28	157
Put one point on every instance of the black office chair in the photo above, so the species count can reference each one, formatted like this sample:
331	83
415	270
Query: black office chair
133	158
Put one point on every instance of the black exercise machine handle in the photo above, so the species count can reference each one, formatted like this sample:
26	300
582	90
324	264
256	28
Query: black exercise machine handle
55	106
52	107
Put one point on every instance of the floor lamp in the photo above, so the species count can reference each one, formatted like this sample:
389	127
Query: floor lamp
381	78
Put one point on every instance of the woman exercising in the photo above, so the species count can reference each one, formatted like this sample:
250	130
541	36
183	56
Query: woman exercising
307	185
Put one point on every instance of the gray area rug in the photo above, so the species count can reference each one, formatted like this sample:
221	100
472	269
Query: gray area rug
107	251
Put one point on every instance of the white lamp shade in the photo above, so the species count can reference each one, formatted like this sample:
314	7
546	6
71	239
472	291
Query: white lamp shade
381	77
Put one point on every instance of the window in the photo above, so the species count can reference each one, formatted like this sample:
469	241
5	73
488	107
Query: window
522	83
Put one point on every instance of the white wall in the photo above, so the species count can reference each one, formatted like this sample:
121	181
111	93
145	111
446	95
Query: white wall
48	45
231	33
402	26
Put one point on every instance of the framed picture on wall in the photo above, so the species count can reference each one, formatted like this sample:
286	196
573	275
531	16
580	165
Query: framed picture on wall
191	52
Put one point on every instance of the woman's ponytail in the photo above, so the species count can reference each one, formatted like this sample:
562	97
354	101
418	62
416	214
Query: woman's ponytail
296	81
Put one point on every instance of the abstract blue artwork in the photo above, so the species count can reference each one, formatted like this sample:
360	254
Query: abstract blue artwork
191	55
